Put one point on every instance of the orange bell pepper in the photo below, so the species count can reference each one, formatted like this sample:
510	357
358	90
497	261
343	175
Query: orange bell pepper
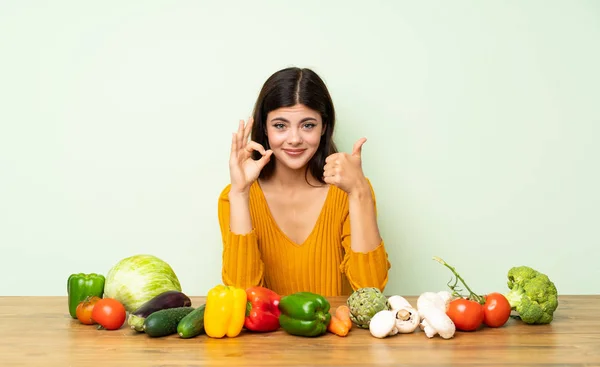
225	311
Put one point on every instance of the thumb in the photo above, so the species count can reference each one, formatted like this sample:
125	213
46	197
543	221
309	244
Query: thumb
357	149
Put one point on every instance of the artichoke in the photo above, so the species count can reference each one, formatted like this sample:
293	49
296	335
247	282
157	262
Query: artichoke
364	303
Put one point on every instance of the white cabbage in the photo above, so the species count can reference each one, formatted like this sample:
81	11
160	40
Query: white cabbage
137	279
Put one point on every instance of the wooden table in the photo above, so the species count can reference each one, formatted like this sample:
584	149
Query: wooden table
38	331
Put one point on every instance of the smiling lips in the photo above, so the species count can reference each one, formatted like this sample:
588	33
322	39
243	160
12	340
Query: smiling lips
294	152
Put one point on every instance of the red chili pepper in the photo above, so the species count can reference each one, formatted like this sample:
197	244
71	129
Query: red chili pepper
262	309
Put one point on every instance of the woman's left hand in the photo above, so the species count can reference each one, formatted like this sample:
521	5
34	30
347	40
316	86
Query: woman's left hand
345	170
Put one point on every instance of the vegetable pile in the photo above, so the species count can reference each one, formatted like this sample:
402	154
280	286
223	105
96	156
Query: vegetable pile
144	293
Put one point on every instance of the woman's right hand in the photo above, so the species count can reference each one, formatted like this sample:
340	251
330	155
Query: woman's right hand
242	168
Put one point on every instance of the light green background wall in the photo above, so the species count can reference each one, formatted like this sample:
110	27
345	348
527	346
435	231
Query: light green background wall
482	119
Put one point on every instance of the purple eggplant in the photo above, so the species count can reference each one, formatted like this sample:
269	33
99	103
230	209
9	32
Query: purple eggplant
168	299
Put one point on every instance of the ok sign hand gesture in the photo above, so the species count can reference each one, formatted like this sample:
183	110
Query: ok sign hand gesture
243	169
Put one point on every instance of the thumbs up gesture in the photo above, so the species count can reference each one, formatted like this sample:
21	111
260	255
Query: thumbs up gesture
345	170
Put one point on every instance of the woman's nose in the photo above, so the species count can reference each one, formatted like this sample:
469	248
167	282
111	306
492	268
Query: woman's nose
295	137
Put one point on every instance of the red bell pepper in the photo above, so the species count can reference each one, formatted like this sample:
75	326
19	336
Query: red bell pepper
262	309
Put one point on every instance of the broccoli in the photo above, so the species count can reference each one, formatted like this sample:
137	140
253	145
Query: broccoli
532	294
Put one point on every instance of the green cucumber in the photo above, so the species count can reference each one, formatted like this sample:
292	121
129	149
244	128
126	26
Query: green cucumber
192	324
164	322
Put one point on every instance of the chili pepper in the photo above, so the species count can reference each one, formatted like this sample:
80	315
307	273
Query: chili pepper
304	314
262	309
225	311
80	286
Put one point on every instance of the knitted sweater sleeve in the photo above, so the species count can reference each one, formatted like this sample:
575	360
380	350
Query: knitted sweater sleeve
241	261
368	269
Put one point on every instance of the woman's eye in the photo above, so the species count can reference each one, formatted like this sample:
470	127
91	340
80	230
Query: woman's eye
309	126
278	126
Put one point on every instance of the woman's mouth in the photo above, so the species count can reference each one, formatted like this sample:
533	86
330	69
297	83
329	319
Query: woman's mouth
294	152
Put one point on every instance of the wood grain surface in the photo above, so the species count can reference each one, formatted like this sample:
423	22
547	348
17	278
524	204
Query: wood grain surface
38	331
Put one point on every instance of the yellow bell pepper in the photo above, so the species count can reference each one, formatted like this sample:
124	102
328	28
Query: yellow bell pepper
225	311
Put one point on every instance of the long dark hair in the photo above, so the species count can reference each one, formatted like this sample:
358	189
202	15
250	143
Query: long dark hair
286	88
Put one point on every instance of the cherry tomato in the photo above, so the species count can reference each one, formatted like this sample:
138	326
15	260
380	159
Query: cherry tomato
109	313
84	310
467	315
496	310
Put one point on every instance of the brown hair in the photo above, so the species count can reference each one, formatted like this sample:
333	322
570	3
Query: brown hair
286	88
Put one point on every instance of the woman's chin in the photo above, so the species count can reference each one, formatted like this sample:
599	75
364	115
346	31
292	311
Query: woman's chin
296	166
293	164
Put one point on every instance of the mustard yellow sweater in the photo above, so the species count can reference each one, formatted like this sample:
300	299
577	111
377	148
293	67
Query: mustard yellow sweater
324	264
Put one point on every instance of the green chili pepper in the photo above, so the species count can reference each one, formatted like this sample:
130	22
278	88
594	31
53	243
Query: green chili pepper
304	314
80	286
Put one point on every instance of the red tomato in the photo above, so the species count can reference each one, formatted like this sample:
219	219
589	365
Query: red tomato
496	310
84	310
467	315
109	313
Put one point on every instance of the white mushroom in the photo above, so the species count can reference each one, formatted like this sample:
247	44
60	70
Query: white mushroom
437	322
432	309
383	324
446	297
430	299
398	302
407	317
430	332
407	320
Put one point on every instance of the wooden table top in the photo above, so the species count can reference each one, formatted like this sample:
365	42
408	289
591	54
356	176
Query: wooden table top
38	331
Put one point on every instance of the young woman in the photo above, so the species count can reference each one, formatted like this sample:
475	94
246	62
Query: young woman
298	215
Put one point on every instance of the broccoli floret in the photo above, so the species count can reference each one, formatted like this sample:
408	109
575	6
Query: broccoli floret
532	294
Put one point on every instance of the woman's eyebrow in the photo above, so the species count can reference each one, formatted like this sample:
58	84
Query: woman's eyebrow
301	121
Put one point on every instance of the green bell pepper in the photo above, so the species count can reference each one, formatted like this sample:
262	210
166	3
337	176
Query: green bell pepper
304	314
80	286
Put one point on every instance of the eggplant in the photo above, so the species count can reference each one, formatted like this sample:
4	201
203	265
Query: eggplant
168	299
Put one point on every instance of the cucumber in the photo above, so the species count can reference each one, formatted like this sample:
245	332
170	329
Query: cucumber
164	322
168	299
192	324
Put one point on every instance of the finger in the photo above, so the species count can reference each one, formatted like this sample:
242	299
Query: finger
233	145
264	159
357	149
248	129
331	180
331	157
332	171
333	163
252	145
240	135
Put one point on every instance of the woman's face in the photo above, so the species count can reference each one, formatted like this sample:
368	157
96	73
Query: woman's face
294	134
